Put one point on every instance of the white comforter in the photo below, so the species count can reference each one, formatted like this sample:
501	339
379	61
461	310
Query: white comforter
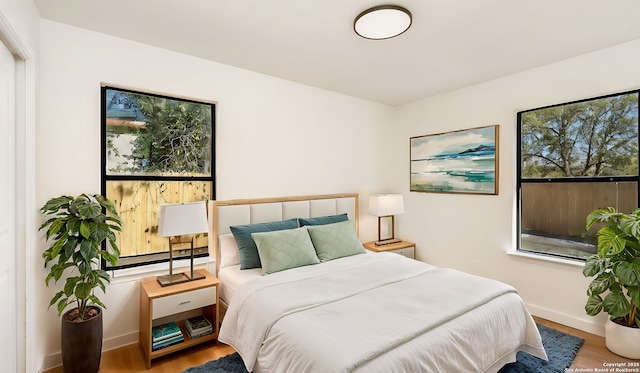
377	313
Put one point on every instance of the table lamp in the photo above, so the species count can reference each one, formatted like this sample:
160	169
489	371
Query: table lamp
177	220
386	206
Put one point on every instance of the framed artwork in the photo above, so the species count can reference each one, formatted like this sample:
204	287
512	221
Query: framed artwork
464	161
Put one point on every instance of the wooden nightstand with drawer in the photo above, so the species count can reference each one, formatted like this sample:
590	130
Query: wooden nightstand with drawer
404	248
159	305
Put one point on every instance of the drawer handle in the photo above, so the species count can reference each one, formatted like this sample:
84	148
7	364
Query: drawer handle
184	302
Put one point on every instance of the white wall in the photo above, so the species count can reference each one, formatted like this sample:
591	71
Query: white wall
474	233
274	138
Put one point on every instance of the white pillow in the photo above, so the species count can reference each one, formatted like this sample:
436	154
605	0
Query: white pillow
229	253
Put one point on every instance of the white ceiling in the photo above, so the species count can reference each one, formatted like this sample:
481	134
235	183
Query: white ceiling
451	44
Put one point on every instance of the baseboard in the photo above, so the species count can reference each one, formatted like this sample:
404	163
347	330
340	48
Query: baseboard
121	341
55	360
50	362
593	325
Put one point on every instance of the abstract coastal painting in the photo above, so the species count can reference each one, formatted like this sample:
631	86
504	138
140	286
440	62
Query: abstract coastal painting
464	161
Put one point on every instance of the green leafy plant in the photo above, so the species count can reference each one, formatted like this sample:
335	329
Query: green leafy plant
615	266
76	228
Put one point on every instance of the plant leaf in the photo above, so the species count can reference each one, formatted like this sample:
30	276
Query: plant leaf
97	301
606	215
83	290
56	204
601	284
630	225
628	272
55	298
70	285
616	304
87	250
594	305
86	207
610	242
62	305
593	266
85	229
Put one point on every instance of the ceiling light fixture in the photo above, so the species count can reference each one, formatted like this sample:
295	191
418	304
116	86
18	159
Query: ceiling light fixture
382	22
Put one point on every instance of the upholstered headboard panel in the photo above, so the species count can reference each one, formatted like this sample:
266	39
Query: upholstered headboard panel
223	214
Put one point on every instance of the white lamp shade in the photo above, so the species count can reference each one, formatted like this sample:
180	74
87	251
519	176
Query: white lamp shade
181	219
386	204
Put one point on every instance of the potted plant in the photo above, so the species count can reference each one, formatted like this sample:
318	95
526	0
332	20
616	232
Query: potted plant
75	229
616	271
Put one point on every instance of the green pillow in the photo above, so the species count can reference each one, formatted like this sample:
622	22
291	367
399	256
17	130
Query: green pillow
336	240
285	249
249	257
322	220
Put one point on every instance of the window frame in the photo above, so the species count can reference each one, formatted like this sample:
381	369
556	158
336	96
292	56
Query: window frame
551	180
104	177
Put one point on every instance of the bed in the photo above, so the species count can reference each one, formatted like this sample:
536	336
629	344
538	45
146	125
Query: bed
345	309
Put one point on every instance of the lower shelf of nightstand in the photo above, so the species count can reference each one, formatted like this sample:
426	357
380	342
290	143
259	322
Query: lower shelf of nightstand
188	342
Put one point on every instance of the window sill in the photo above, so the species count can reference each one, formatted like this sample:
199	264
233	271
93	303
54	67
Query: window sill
547	258
160	269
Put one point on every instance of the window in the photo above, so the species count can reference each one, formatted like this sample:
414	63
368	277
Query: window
572	159
155	150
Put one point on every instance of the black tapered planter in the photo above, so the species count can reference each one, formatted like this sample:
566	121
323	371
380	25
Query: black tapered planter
82	344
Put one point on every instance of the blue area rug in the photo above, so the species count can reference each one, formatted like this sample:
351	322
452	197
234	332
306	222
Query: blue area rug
228	364
561	349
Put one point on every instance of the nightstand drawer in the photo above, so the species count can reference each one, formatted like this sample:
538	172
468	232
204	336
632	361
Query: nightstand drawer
409	252
182	302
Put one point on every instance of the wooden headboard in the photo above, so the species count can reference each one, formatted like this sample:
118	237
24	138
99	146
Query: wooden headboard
223	214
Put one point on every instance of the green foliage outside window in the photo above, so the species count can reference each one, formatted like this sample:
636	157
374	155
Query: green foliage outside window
152	135
592	138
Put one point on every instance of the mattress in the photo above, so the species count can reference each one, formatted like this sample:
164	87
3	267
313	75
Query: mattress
232	277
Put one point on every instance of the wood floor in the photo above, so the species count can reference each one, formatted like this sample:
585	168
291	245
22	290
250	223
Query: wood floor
593	354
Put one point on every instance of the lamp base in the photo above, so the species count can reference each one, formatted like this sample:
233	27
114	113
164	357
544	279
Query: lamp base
178	278
196	276
175	279
387	241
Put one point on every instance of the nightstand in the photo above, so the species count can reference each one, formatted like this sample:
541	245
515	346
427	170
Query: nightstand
159	305
404	248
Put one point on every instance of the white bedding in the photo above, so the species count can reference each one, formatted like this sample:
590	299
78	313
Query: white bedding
232	277
377	313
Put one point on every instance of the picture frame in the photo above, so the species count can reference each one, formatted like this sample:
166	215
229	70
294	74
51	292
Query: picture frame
462	161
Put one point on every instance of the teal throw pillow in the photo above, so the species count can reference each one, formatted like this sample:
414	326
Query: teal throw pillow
322	220
249	257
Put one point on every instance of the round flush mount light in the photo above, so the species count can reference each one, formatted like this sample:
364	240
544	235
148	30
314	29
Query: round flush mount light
382	22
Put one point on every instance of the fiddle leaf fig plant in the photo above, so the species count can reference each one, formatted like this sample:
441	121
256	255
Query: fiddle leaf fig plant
615	267
75	229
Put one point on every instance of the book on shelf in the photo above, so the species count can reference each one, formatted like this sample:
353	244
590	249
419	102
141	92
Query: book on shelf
167	342
199	334
165	331
198	326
